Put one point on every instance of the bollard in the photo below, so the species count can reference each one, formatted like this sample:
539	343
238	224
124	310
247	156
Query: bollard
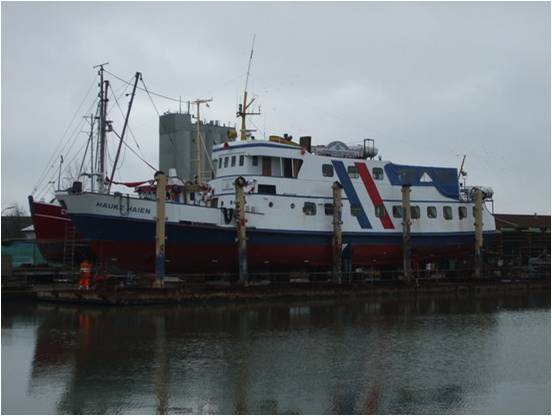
239	183
478	225
160	228
337	240
407	244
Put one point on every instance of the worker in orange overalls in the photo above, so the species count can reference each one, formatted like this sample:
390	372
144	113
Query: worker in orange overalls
85	274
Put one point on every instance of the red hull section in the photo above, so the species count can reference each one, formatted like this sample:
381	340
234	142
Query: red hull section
215	258
52	226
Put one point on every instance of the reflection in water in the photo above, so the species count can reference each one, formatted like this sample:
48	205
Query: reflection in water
415	355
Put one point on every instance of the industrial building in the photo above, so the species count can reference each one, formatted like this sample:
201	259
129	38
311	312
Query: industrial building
178	147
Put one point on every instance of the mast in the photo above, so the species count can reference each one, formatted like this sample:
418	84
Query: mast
199	170
104	86
242	109
91	152
137	77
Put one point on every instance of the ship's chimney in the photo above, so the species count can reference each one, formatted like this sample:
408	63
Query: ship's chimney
305	142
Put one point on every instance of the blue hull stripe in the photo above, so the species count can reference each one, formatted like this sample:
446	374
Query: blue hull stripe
351	193
108	228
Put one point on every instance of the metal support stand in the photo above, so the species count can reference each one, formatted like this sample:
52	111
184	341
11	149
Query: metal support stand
337	241
160	228
407	244
241	228
478	217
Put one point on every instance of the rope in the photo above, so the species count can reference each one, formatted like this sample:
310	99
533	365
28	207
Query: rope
61	141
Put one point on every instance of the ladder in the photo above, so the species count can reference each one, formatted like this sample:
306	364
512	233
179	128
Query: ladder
69	246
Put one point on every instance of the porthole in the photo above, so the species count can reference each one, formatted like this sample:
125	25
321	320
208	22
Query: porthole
292	205
270	204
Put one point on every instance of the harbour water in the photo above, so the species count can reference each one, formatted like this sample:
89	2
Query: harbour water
440	354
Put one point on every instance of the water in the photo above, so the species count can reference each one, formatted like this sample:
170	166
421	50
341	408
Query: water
417	355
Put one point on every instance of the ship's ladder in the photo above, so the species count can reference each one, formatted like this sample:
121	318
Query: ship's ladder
69	243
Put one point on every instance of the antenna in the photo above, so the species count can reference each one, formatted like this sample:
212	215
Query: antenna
242	108
199	172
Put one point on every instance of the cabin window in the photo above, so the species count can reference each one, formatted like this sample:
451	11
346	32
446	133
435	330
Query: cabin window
431	212
292	205
233	161
226	162
214	202
266	189
220	163
447	212
255	161
287	168
380	210
378	173
297	163
352	171
328	209
309	208
414	212
241	160
462	212
397	211
327	170
355	210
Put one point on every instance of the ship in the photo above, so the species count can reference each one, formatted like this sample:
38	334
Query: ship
289	213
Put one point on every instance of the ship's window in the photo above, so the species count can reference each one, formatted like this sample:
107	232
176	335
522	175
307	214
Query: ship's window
355	210
328	209
241	160
226	162
287	168
431	212
447	212
462	212
255	160
266	189
380	210
353	171
192	196
397	211
270	204
233	161
414	212
378	173
214	202
309	208
327	170
297	163
220	163
292	205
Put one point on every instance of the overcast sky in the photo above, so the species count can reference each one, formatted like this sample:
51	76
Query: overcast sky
428	81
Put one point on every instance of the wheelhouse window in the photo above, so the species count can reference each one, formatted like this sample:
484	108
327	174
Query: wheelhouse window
226	162
233	161
377	173
328	209
462	212
255	160
431	212
297	163
447	212
352	171
309	208
327	170
380	210
414	212
355	210
220	163
287	167
241	160
397	211
266	189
